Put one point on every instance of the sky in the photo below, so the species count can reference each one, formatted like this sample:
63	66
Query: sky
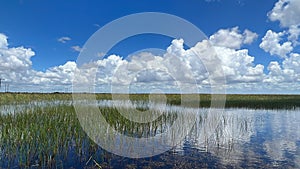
256	42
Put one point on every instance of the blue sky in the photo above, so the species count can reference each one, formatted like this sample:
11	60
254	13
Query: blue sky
38	24
56	30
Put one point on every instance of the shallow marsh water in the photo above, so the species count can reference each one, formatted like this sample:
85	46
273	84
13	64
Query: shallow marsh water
243	138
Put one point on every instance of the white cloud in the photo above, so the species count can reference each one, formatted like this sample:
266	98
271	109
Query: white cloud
249	36
232	38
187	66
275	75
64	39
15	63
288	72
285	75
293	63
145	71
3	41
14	59
271	43
287	12
16	69
238	66
294	32
62	74
77	48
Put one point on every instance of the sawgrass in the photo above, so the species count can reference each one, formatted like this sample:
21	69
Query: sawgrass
257	101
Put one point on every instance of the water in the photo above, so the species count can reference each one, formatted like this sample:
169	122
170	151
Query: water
20	107
242	138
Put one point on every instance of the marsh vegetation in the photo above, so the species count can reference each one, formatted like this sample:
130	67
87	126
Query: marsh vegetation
258	101
43	131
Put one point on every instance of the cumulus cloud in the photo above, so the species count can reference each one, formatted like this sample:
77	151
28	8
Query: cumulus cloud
275	73
284	75
294	32
287	72
232	38
16	69
177	65
293	63
238	66
3	41
62	74
249	36
271	43
287	12
145	71
64	39
14	59
15	63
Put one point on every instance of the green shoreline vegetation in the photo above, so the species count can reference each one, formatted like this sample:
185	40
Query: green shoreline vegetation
252	101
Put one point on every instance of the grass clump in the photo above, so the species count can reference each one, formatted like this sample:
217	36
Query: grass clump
39	137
